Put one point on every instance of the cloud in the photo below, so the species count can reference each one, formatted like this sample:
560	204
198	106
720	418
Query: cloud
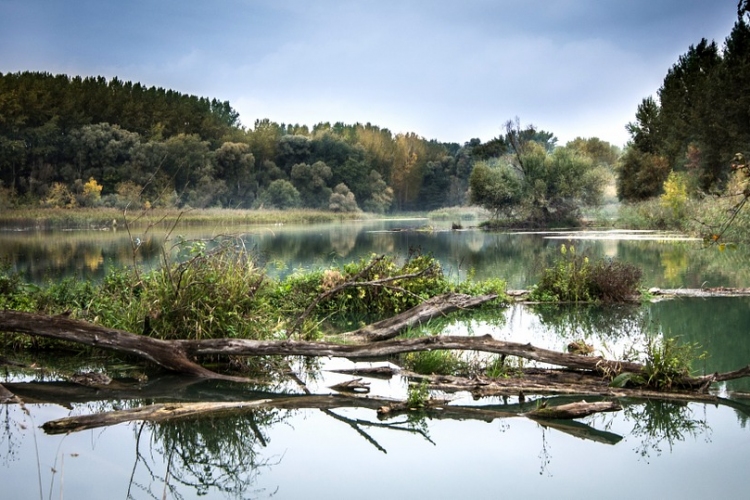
443	69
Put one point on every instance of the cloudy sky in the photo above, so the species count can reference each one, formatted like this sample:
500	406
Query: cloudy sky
445	69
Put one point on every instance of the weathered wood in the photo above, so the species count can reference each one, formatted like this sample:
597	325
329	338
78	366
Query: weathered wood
177	355
381	372
6	396
164	353
573	410
353	386
432	308
485	343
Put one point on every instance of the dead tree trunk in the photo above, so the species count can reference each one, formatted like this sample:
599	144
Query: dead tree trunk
164	353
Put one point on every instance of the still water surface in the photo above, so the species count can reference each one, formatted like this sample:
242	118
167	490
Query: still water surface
650	449
668	261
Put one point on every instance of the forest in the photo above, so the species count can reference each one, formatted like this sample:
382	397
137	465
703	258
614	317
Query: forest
698	123
77	142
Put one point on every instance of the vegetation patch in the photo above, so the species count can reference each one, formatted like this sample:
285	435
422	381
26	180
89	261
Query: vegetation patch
575	278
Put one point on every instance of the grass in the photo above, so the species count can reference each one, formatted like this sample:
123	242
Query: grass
104	217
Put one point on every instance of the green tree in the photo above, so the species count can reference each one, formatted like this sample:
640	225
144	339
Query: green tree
342	200
381	196
280	194
312	183
641	175
235	165
496	187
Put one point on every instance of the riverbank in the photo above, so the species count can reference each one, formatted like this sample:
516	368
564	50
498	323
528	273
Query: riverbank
107	218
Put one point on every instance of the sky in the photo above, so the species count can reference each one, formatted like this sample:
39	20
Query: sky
449	70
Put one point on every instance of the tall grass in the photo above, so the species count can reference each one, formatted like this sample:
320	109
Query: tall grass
105	217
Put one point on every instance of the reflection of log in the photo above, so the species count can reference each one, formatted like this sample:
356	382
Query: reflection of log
573	410
582	431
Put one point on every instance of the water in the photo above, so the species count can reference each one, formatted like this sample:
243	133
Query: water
667	260
649	449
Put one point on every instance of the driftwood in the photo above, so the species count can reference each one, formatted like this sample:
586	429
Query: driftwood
429	309
172	354
573	410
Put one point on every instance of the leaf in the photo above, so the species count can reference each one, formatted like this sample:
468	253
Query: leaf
622	379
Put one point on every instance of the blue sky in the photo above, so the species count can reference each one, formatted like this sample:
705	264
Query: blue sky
446	70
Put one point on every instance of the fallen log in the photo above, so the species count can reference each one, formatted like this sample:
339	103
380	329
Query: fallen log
573	410
432	308
177	355
162	352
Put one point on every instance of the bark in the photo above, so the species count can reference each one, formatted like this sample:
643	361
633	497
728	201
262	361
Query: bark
244	347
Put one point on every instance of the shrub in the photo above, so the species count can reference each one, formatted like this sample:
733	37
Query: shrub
574	278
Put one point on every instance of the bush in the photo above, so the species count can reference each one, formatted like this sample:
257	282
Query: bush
574	278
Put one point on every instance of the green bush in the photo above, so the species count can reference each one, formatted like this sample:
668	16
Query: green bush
574	278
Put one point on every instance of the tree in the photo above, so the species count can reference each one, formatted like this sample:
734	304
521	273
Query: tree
497	188
381	196
342	200
312	183
235	164
280	194
641	175
91	194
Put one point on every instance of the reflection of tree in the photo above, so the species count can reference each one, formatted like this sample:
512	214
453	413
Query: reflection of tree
612	322
208	454
660	423
9	437
344	239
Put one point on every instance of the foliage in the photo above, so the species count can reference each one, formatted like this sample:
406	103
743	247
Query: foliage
537	182
675	195
418	395
574	278
280	194
699	121
641	175
342	200
667	363
435	362
213	293
496	188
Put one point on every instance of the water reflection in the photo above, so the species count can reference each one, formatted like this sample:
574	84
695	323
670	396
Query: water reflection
230	456
517	258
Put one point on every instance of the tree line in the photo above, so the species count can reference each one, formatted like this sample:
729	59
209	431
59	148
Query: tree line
699	121
72	141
